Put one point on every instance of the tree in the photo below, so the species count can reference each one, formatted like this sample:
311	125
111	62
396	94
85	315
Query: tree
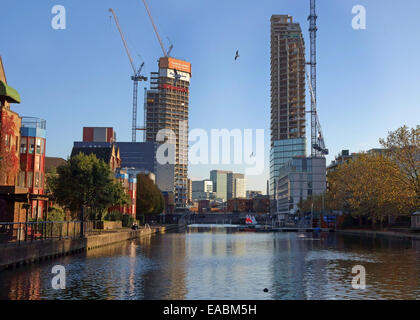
368	186
9	161
86	181
314	203
403	146
149	198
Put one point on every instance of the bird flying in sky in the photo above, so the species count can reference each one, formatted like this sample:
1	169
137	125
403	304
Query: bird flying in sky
237	55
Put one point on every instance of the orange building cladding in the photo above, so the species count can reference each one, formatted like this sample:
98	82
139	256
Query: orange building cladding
176	64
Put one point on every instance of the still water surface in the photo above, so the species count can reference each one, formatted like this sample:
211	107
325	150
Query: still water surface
219	263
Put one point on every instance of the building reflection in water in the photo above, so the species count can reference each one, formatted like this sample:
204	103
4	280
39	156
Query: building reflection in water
220	263
321	269
166	280
24	288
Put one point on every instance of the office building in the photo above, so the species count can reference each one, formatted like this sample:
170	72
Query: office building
138	157
166	107
251	194
236	186
288	90
220	179
202	190
299	179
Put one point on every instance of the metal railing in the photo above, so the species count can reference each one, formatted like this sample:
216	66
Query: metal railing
32	122
26	232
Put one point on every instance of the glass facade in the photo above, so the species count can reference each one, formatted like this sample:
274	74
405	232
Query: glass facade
299	179
219	179
282	152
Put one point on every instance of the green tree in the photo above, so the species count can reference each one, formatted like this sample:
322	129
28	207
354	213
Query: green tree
86	181
55	214
149	198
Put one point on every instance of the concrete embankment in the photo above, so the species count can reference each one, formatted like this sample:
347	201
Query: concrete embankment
14	255
382	234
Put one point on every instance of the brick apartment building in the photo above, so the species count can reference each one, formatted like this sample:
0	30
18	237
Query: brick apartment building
22	153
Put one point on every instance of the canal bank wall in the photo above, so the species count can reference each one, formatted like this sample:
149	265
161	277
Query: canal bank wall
382	234
15	255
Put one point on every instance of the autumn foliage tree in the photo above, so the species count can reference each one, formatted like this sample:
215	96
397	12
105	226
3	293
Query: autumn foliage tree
382	184
404	148
9	161
368	186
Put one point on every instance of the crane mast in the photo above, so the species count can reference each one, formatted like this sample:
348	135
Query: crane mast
312	31
317	139
136	77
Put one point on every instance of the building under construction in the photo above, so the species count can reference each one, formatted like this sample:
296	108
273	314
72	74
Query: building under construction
166	107
288	134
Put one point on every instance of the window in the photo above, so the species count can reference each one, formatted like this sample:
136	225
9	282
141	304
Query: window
30	178
42	146
38	146
31	145
23	145
36	179
7	138
17	144
21	181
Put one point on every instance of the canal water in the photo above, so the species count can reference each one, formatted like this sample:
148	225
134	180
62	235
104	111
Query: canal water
217	262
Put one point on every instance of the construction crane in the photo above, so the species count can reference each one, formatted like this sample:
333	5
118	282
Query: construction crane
318	144
136	77
165	53
317	139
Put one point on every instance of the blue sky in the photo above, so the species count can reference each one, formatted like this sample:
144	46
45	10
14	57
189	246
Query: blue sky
367	79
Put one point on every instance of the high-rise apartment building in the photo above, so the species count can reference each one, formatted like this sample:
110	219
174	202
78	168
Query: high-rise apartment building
166	109
189	191
288	133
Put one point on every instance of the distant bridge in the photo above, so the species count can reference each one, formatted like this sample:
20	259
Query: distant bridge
215	218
